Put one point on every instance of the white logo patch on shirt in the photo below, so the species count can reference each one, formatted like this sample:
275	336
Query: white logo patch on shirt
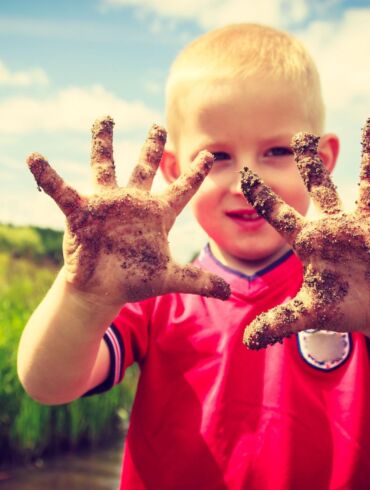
324	349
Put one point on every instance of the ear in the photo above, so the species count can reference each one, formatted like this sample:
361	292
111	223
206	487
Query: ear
328	150
169	166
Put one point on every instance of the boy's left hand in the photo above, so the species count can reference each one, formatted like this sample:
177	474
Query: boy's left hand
335	251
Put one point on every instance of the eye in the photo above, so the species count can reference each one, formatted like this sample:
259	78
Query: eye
279	151
220	155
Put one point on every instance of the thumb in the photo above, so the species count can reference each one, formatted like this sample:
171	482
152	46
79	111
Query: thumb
190	279
282	321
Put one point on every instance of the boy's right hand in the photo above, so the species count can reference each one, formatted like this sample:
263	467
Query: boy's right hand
115	245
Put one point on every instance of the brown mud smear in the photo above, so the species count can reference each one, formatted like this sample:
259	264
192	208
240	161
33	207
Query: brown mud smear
268	205
258	195
116	241
314	173
50	182
334	249
102	152
219	289
150	157
364	194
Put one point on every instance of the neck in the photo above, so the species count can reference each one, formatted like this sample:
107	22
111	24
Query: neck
248	267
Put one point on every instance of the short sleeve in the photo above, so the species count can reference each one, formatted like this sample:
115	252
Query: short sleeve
127	342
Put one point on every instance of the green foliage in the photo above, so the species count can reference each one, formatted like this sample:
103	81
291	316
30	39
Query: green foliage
28	429
38	244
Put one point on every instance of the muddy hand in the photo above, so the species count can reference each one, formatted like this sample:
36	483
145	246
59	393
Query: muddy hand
335	251
115	245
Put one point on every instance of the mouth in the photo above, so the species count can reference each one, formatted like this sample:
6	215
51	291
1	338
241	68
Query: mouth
244	215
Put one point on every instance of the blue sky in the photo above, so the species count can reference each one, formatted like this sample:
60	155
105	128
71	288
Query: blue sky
63	64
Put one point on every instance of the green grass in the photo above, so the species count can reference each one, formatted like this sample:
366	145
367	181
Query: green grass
28	429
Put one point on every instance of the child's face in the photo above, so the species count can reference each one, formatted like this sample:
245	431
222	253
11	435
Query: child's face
249	123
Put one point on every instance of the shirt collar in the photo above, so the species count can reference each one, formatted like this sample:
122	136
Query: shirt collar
275	274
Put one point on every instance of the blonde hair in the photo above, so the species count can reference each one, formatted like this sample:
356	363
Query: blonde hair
239	52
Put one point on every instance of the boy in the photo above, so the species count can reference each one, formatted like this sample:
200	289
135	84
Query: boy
209	413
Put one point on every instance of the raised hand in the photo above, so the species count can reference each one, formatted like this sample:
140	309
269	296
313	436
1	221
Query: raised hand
115	245
335	250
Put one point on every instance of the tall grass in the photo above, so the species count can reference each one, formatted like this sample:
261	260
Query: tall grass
28	429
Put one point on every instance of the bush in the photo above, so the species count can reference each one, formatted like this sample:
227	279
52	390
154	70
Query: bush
37	244
28	429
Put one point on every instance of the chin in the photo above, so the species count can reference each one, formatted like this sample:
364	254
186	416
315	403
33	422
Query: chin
255	258
262	255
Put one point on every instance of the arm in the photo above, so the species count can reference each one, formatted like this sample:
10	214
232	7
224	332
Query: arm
61	353
335	251
115	251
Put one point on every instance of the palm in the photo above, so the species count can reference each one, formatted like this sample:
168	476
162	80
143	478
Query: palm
115	245
335	251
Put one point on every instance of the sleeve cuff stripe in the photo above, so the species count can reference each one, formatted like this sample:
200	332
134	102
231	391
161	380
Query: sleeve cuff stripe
111	336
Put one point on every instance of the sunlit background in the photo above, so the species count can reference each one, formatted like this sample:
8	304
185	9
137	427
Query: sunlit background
63	64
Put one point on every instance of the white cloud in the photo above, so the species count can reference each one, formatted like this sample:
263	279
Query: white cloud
154	87
213	13
78	174
75	109
340	51
275	13
186	238
24	78
32	26
180	8
34	208
348	194
297	10
28	206
126	154
338	44
10	163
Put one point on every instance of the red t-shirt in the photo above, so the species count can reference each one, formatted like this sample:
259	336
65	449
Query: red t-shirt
210	414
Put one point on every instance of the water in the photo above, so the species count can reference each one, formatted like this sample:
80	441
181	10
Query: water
93	470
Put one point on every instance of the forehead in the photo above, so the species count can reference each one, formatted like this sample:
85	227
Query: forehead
237	105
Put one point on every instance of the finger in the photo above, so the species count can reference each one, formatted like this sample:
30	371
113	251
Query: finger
150	157
47	179
363	203
314	173
278	323
102	163
192	280
285	219
179	193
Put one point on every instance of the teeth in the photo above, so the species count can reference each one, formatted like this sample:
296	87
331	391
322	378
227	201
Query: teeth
247	217
250	216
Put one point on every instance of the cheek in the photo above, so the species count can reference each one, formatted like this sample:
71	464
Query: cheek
205	195
293	191
299	198
200	204
205	201
304	204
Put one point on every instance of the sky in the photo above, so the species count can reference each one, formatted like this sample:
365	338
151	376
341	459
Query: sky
64	64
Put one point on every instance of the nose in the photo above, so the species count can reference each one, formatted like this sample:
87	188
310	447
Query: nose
235	180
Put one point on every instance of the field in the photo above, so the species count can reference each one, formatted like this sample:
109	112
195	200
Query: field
29	260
